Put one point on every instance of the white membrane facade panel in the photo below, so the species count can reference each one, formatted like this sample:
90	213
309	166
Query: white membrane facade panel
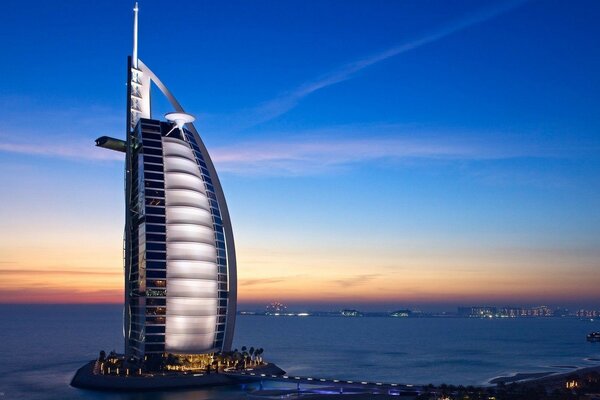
187	215
172	148
192	280
192	251
191	325
192	288
183	180
188	343
182	197
192	307
180	164
190	232
192	269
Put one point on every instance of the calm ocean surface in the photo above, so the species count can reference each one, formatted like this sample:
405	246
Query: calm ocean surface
42	346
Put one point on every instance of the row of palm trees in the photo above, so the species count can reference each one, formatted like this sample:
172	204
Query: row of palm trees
227	360
111	363
237	359
222	361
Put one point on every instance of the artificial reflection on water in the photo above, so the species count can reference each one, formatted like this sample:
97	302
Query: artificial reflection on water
221	393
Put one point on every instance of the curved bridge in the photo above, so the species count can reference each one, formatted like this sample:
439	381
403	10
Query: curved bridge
338	384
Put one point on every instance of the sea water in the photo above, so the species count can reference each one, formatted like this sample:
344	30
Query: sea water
41	347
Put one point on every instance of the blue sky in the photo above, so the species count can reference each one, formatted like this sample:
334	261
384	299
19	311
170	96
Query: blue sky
397	144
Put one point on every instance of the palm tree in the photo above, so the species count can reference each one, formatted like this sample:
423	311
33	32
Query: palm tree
237	356
219	360
260	352
251	352
171	359
234	358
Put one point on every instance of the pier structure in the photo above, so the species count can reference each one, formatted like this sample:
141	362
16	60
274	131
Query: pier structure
330	384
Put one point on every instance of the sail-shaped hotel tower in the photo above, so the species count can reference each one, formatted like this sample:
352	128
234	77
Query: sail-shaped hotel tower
180	267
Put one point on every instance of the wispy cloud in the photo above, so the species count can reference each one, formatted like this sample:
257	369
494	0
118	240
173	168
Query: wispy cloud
41	272
319	151
311	152
26	295
356	280
287	101
280	157
71	150
66	133
265	281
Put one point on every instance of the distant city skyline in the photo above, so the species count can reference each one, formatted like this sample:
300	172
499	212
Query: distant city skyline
421	307
479	311
374	155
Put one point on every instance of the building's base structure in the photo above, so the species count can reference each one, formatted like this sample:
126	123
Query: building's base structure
86	378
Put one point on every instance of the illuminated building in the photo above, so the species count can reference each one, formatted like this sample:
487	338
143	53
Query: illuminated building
276	308
180	266
509	312
401	313
588	313
351	313
541	311
477	312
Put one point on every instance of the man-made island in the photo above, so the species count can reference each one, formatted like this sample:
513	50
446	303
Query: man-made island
115	372
583	383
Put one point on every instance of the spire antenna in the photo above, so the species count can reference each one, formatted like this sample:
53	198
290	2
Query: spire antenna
134	56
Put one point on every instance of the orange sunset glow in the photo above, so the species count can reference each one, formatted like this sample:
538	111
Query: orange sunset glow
92	274
364	171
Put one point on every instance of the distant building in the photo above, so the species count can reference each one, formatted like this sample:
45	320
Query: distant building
511	312
351	313
276	308
477	312
588	313
541	311
401	313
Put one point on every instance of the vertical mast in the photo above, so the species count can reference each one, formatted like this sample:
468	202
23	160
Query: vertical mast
139	85
134	55
134	95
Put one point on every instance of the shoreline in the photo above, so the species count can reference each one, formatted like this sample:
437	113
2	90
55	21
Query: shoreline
519	377
553	379
558	377
85	379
